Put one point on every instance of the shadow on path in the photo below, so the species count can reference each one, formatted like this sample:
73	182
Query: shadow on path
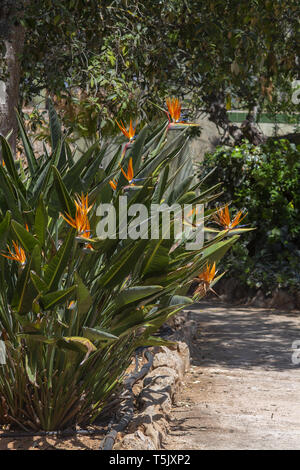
243	391
244	337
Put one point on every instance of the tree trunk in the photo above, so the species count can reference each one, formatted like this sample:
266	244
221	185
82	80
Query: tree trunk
11	46
217	113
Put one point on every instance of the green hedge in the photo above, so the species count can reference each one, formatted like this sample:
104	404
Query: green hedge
265	180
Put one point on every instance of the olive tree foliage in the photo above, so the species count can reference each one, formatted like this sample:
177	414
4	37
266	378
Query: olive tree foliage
113	58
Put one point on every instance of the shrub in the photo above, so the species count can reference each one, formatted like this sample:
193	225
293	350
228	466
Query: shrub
264	180
73	307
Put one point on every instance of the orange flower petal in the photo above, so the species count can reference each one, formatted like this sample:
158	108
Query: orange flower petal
130	171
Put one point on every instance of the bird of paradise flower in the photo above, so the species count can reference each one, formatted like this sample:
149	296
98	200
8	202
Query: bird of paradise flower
130	175
222	218
130	134
81	222
175	118
204	279
113	184
18	254
174	115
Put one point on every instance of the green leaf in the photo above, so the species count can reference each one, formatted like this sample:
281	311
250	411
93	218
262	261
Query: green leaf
180	300
4	228
31	370
157	258
32	163
54	298
24	293
160	188
96	334
72	177
10	195
66	202
27	240
132	294
84	298
136	152
38	282
179	190
78	343
217	250
155	341
59	262
10	164
37	259
41	183
41	222
122	265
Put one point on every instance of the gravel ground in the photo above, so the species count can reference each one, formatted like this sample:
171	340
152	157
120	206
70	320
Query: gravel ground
243	391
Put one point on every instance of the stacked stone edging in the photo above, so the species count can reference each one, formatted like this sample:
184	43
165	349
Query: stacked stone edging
149	426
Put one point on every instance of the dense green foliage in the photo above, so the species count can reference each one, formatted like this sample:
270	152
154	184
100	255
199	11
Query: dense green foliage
113	52
266	181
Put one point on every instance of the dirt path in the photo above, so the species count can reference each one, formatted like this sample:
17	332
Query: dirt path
243	391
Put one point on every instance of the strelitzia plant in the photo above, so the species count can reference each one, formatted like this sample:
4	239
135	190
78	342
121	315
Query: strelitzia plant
78	308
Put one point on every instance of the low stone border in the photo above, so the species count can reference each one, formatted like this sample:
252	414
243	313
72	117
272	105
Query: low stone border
150	424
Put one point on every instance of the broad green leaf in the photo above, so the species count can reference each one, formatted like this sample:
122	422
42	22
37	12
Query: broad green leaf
9	194
72	176
84	298
122	266
52	299
160	188
136	151
179	190
59	262
157	258
4	228
96	334
31	369
36	336
41	222
66	202
132	294
56	135
38	282
32	163
24	292
41	183
78	343
10	164
155	341
27	240
180	300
